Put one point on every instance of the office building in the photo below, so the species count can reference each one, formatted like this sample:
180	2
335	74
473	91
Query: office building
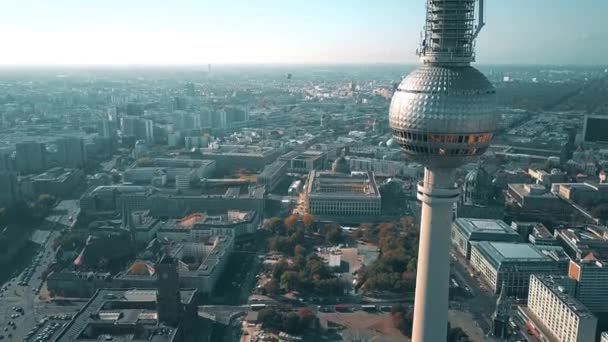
272	175
130	315
541	236
465	230
57	181
545	178
216	196
110	198
140	223
230	158
556	313
10	192
510	264
335	194
586	194
200	227
107	128
31	157
305	161
7	160
386	168
595	129
77	284
71	152
591	277
533	202
579	242
200	263
168	298
204	168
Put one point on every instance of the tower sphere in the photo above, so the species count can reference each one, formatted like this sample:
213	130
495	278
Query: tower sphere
443	116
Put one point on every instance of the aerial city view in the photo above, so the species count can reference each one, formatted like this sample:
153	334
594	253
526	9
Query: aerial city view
395	170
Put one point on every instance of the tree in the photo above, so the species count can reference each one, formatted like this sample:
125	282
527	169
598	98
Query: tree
333	234
403	319
290	222
457	334
299	251
278	269
331	287
314	265
412	265
46	201
273	224
409	280
292	323
289	280
269	316
271	287
408	223
308	320
386	231
309	221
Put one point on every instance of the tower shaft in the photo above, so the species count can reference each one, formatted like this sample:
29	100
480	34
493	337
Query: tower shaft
438	195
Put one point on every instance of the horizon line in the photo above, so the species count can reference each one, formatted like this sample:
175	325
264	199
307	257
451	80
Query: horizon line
286	64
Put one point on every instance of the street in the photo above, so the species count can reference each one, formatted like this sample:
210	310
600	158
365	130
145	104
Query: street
20	300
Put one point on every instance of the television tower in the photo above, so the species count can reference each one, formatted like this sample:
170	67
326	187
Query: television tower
442	115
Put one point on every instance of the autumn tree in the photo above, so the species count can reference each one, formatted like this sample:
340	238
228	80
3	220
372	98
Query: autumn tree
333	234
299	251
290	222
273	224
309	221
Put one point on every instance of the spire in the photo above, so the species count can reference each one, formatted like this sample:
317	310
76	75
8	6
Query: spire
124	216
501	314
502	298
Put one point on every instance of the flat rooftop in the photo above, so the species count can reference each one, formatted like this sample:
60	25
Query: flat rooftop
531	190
554	284
56	174
472	226
304	155
498	252
180	162
239	150
331	184
122	315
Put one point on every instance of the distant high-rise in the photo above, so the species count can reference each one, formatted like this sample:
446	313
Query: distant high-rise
7	162
149	126
9	186
31	157
107	128
179	103
190	89
134	109
442	115
72	152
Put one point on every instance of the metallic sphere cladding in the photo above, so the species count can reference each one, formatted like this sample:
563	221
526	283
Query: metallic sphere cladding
444	115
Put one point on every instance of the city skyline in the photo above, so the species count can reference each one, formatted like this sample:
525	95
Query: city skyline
272	32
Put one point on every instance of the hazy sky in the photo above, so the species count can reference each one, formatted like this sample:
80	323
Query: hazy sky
286	31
